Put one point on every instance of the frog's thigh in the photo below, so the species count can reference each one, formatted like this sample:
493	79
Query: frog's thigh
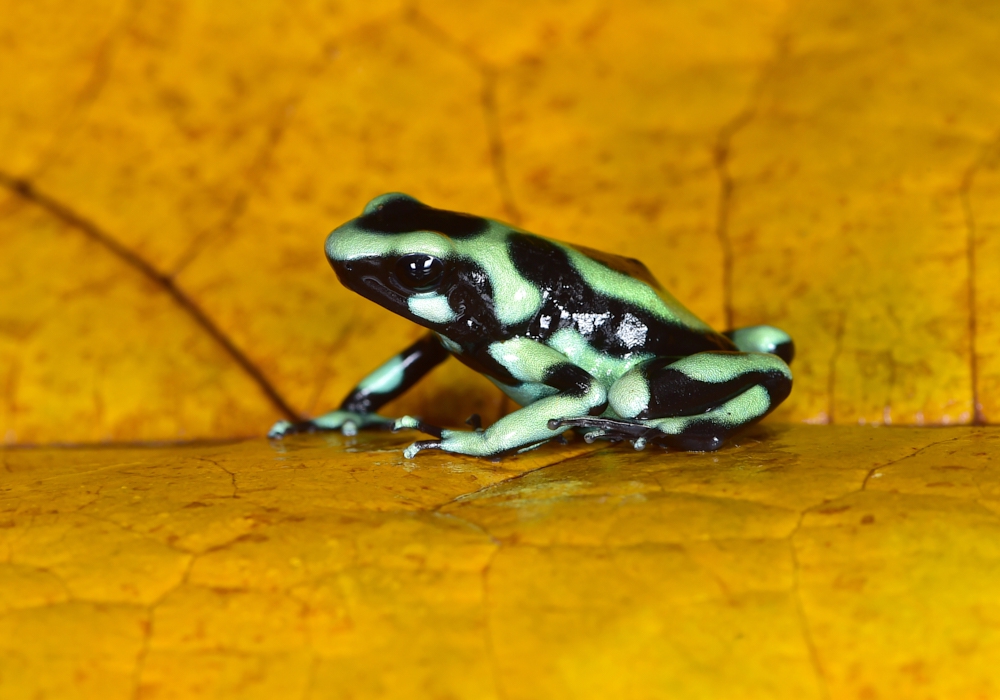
695	402
580	394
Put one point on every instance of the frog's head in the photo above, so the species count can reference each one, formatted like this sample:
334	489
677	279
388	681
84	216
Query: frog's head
402	254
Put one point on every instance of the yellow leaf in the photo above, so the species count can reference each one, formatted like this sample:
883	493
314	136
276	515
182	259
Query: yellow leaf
805	562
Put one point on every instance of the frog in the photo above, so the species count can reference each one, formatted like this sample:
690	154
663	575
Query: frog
581	340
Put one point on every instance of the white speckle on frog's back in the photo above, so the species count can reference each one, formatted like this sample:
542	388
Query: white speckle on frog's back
632	332
588	322
432	307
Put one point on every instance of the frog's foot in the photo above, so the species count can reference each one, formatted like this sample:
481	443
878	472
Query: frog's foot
411	451
475	443
641	434
611	429
347	422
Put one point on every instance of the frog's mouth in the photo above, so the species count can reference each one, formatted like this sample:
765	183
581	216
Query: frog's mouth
366	276
380	293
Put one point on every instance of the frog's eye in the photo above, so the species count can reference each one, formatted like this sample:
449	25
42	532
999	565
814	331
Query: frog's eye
419	272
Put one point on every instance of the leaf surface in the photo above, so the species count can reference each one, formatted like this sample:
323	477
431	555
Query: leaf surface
861	562
168	175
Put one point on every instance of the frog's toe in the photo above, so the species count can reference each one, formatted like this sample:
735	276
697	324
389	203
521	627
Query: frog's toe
405	423
411	451
411	423
279	429
284	428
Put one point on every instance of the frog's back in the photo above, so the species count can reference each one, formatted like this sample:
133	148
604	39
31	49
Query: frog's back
613	302
637	270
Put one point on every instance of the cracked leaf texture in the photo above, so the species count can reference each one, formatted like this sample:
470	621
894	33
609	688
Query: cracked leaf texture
168	171
807	562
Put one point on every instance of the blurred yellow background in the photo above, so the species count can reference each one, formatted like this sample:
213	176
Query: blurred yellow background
169	170
168	173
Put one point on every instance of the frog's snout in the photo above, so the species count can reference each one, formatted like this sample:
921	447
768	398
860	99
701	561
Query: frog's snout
368	277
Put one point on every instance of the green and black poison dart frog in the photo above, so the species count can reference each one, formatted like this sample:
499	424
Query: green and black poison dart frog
579	338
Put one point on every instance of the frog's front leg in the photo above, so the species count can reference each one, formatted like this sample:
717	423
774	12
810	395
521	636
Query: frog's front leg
530	362
693	403
358	410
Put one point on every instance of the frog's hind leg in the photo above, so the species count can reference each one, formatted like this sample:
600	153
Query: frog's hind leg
696	402
763	339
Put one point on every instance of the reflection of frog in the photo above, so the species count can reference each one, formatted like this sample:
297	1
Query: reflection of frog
579	338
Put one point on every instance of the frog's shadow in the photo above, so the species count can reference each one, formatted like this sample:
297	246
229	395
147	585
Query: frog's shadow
449	402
